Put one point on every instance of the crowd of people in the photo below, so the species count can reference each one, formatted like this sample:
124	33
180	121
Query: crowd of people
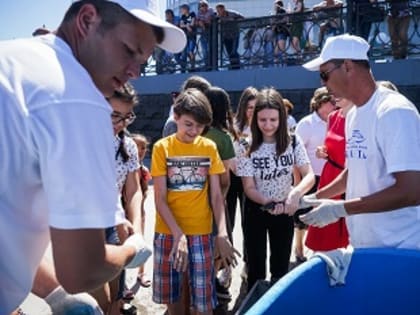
286	39
73	177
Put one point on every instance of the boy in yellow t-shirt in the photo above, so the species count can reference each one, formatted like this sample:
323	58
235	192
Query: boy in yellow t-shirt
185	170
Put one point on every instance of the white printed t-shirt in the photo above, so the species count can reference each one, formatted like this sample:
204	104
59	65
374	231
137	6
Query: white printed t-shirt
382	137
57	161
123	168
273	174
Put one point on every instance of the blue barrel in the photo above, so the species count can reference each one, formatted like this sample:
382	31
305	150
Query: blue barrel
379	281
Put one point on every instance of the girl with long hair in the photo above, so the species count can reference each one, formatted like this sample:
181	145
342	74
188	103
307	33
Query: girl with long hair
267	176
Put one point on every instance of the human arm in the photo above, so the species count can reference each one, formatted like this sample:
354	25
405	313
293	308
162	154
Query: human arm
225	177
133	199
179	251
83	262
252	193
45	280
334	188
402	193
224	249
47	287
237	15
319	6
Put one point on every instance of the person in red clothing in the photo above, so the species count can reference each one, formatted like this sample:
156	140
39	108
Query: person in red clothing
334	235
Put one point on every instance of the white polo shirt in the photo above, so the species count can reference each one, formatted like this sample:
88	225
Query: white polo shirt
312	130
57	157
382	137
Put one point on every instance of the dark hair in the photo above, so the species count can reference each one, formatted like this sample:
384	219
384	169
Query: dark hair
196	82
222	112
193	102
170	12
270	98
112	14
249	94
128	95
321	96
185	6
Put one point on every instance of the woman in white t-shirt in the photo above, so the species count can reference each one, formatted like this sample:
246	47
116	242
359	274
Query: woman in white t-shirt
267	176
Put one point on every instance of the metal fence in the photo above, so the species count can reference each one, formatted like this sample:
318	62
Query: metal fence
291	39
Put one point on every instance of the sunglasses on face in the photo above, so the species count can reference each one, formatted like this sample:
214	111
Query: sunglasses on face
325	75
128	119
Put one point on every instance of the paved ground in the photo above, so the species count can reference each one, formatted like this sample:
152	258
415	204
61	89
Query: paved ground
143	299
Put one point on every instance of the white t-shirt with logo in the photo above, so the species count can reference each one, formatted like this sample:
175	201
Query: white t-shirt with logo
382	137
57	160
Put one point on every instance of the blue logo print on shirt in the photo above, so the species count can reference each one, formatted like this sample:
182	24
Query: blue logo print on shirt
355	149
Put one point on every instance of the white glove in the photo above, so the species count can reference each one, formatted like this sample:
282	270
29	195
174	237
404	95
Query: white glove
63	303
143	252
327	211
306	201
291	203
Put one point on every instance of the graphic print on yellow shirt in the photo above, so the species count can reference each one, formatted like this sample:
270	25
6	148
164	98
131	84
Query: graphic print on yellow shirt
187	173
186	167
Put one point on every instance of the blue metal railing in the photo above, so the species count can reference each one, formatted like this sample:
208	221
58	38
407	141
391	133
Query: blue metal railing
268	41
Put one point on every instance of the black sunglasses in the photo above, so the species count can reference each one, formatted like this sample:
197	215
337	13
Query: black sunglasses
325	75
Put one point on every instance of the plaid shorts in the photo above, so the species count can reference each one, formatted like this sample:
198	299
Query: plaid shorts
167	281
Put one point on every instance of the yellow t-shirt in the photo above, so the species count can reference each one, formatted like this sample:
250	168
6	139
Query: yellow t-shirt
186	167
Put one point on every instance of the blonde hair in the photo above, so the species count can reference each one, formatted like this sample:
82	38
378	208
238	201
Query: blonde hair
289	105
139	138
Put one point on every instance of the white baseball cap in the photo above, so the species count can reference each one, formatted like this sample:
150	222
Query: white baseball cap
340	47
174	39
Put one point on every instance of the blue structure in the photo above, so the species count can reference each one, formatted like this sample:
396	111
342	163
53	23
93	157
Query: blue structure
379	281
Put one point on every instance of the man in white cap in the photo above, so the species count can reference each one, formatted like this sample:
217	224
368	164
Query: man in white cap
57	161
382	206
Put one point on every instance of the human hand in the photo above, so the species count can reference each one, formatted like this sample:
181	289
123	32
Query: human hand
128	227
62	302
143	252
273	207
307	200
327	211
277	209
291	203
225	252
179	253
321	152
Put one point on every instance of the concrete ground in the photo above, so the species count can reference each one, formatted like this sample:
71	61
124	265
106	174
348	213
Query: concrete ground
143	298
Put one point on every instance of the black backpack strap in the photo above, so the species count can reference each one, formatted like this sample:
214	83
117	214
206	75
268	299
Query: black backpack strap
293	141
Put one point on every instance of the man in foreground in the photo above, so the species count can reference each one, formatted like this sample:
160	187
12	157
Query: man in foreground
57	162
382	206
